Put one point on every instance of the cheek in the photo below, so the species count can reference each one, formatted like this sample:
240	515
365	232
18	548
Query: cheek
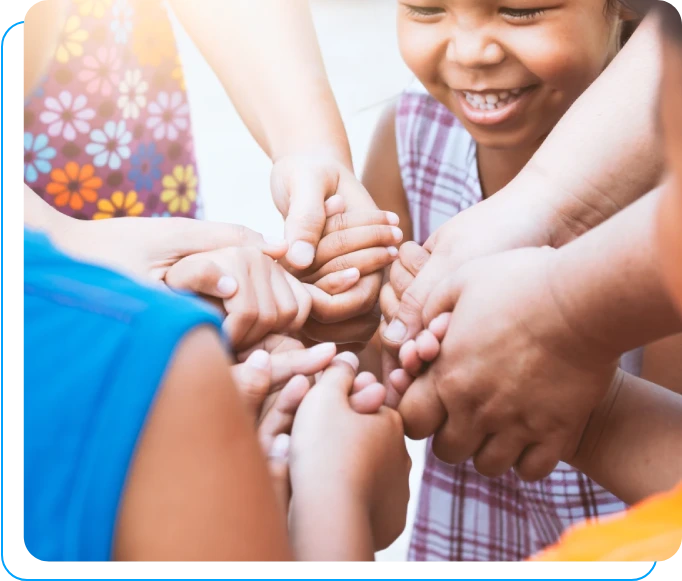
670	239
421	49
552	54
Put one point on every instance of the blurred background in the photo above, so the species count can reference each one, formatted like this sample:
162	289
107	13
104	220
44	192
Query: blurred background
360	51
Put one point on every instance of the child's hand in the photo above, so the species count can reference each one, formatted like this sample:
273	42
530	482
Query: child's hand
258	295
403	272
339	455
353	245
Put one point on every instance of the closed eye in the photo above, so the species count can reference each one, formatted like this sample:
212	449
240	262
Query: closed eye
423	11
522	13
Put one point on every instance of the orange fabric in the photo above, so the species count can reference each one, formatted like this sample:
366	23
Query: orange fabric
649	531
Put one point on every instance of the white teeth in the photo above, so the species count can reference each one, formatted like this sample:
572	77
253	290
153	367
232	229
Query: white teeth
491	101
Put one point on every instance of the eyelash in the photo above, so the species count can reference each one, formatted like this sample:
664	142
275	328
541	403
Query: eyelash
522	13
422	12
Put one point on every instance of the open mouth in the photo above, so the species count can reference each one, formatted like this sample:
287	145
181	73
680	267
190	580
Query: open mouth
491	100
493	106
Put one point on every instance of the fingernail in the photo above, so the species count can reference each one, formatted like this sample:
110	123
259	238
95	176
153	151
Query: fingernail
280	447
259	359
227	286
302	254
392	251
323	349
397	233
350	358
274	241
350	274
396	331
393	218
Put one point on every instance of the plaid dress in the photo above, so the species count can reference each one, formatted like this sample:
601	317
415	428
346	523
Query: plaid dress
462	515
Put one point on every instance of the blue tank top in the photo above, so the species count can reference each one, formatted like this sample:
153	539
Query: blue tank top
96	347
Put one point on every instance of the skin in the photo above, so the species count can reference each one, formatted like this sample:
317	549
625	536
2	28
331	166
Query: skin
615	155
301	131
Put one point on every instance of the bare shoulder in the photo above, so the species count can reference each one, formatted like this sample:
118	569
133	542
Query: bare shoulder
185	494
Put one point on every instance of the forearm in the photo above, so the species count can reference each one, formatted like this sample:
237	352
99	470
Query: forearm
604	153
266	55
39	215
336	529
608	283
632	444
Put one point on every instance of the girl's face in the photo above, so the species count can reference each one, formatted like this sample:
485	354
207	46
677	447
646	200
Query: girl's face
670	216
508	69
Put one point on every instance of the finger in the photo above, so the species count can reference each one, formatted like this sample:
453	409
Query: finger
413	257
408	321
351	240
400	278
439	326
421	409
363	380
202	275
196	236
278	466
459	438
303	300
260	272
252	379
348	220
388	301
338	378
537	461
442	300
272	343
301	362
369	400
356	330
306	218
367	261
242	309
279	418
427	345
409	358
338	282
498	454
333	206
285	301
359	300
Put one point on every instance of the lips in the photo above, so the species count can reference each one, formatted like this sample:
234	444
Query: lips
493	107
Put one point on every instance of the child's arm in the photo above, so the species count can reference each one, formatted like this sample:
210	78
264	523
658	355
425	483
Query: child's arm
631	445
662	364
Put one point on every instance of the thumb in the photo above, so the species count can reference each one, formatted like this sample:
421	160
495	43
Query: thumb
195	236
304	214
340	375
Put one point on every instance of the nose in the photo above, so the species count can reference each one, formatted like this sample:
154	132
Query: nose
473	47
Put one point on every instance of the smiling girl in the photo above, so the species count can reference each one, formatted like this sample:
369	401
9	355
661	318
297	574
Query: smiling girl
496	76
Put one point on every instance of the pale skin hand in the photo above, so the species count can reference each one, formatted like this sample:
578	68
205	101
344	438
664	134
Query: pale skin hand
615	158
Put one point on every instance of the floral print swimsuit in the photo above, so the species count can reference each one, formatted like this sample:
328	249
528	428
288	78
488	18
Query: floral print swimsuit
108	132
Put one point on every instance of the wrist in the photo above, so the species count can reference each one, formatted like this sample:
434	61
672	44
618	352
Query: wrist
566	213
